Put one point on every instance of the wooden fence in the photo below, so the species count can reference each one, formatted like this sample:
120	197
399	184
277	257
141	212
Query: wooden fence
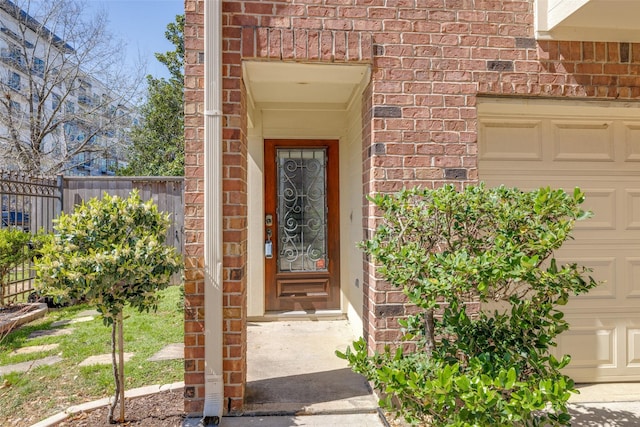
166	192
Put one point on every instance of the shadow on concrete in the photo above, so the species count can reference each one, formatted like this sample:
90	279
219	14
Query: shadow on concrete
308	388
292	368
603	416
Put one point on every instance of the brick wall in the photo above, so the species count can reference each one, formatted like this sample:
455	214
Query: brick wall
194	207
234	288
430	60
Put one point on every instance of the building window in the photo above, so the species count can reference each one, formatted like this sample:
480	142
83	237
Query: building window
15	107
14	81
38	67
55	101
85	99
13	55
16	37
70	107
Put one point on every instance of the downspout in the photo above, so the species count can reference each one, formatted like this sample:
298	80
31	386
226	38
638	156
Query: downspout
214	383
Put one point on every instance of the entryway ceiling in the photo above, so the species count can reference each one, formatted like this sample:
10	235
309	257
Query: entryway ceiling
282	83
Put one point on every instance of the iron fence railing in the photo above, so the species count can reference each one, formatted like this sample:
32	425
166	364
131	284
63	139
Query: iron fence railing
30	204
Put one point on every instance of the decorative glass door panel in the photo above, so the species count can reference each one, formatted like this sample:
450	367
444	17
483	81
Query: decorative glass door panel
302	210
301	225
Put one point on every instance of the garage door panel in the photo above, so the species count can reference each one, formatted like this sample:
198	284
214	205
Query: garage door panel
632	141
618	273
501	147
604	346
604	270
607	198
633	276
597	344
632	219
633	347
602	202
577	141
603	354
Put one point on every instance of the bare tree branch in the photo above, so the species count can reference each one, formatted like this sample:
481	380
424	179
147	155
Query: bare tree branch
65	95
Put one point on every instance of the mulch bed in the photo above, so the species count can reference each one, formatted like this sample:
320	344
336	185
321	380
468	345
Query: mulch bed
164	409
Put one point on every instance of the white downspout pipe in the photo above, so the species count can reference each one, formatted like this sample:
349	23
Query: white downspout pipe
214	383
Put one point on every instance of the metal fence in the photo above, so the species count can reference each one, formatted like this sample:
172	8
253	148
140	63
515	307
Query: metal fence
32	204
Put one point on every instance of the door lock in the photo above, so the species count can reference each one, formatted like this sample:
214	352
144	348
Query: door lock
268	220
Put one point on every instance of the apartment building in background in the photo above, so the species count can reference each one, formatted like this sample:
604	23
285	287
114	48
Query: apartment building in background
40	82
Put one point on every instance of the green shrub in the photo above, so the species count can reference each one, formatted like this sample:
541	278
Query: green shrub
446	248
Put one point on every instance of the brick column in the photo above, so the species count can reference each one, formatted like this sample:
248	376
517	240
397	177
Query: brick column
194	207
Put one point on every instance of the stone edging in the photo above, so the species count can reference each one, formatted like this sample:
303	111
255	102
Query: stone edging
136	392
14	322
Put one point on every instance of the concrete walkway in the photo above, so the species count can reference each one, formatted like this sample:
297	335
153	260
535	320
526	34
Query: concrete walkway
294	378
31	364
292	368
48	360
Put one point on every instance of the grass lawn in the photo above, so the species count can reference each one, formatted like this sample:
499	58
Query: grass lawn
46	390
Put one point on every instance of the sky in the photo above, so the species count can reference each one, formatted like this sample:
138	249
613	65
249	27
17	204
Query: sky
142	23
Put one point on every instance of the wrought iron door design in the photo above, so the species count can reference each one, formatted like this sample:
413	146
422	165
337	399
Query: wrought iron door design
301	225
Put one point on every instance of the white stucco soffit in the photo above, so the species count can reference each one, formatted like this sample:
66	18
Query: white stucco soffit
274	85
588	20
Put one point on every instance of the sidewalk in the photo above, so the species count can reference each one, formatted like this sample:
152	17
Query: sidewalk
606	405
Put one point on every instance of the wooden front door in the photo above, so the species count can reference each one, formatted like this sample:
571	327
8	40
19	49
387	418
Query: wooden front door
302	265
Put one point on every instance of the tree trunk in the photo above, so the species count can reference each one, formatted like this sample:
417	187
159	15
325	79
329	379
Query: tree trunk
2	285
121	363
116	378
118	367
429	331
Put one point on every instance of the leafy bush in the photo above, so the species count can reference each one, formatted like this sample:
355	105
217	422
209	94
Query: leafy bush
447	248
110	252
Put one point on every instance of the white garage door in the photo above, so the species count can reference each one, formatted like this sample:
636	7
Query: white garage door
595	146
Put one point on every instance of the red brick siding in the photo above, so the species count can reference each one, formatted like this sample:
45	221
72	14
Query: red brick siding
234	187
430	60
194	208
